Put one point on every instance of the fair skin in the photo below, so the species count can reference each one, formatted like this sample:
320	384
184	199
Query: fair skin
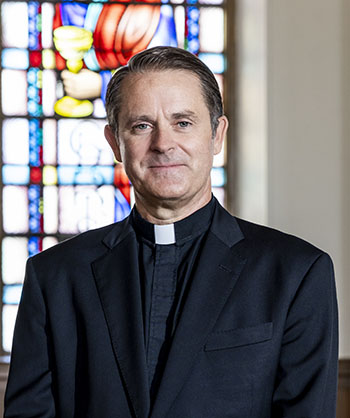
166	143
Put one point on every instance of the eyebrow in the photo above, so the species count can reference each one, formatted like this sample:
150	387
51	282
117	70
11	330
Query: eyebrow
175	116
185	114
138	118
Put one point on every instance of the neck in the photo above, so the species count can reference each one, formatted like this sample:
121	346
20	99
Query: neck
162	213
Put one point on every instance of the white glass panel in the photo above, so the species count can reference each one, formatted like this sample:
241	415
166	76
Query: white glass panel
85	207
49	92
14	257
219	193
14	24
47	13
220	80
49	242
219	159
132	196
14	81
211	29
50	194
49	141
179	16
99	109
15	209
83	142
15	148
9	314
211	1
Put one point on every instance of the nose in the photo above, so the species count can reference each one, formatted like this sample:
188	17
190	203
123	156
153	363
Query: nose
162	140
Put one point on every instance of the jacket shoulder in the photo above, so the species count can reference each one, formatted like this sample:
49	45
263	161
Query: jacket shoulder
264	238
84	246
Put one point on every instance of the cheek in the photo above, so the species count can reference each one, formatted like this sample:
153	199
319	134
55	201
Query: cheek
133	159
130	154
204	154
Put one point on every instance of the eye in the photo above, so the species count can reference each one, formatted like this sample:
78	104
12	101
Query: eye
184	123
140	127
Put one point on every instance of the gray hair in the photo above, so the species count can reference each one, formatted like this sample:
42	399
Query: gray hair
162	58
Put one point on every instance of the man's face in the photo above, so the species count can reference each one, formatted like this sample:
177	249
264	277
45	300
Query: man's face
165	139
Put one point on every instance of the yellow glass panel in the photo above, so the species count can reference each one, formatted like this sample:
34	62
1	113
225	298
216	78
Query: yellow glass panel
49	175
49	62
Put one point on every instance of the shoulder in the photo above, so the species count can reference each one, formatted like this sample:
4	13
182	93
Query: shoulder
275	240
278	260
82	248
263	241
284	255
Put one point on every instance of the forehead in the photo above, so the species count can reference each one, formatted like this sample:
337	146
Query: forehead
169	88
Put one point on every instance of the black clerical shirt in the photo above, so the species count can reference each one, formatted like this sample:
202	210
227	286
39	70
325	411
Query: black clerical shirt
165	274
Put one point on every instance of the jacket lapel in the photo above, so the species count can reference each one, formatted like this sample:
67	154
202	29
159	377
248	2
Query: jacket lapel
221	263
117	280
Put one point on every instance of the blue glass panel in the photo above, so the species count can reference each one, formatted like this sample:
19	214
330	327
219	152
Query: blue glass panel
215	62
12	294
122	207
34	244
34	209
85	175
92	14
15	174
34	83
218	177
34	137
166	30
73	14
33	25
193	29
15	58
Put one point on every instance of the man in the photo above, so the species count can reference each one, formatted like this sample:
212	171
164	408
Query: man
181	310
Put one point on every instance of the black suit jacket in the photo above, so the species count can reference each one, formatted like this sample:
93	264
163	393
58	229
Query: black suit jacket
257	336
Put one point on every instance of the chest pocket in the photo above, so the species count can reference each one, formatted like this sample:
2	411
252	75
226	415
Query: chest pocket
239	337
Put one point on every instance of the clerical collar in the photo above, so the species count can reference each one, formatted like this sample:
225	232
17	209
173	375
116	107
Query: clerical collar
178	232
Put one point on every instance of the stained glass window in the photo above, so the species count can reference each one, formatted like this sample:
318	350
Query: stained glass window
58	175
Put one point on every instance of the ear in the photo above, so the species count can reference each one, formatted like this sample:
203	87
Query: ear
220	134
113	142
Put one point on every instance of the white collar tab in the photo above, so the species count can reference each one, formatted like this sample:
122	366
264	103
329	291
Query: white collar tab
164	234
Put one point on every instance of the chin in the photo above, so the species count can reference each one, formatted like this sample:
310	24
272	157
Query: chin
167	193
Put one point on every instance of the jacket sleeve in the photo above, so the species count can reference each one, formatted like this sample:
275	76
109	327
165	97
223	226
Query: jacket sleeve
29	387
306	384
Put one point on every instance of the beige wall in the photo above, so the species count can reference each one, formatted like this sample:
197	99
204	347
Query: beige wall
305	141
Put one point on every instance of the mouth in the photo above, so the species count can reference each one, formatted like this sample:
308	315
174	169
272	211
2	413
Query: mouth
165	166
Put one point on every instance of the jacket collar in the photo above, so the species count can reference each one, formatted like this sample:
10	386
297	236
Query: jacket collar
117	279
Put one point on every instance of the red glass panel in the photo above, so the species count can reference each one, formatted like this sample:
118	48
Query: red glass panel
35	58
121	181
35	175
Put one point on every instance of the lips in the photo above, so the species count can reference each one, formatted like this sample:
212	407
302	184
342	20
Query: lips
166	165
